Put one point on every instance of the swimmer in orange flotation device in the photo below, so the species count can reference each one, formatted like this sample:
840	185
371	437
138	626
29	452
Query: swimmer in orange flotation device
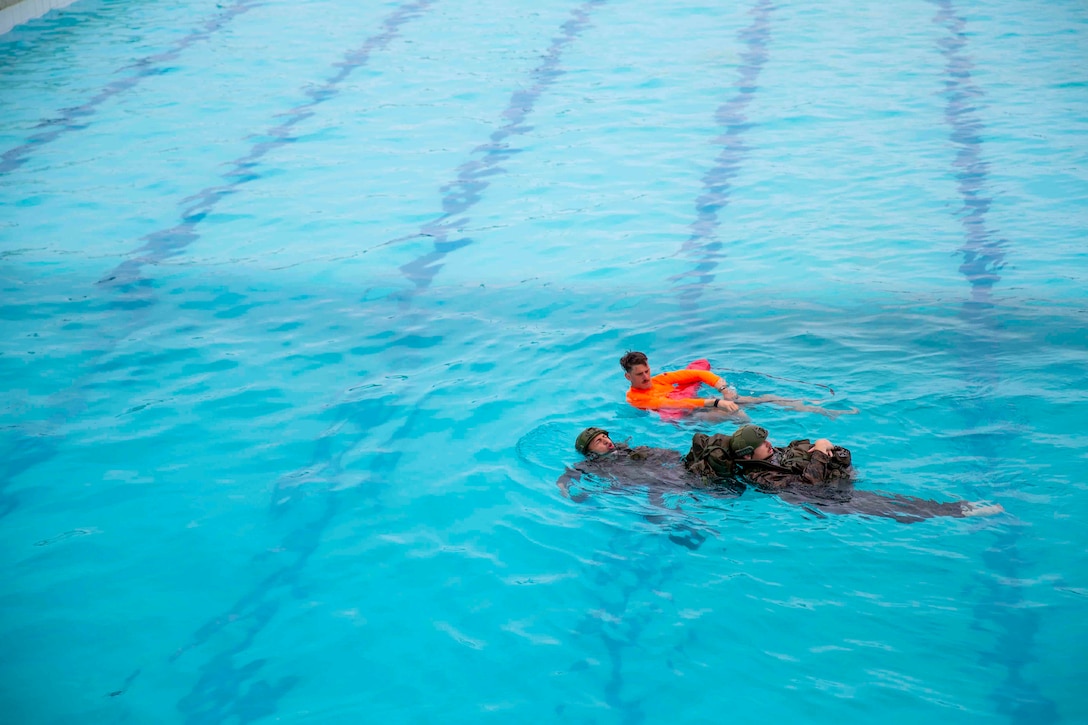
674	394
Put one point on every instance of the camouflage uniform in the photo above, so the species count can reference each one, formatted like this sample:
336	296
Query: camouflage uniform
658	470
820	482
626	466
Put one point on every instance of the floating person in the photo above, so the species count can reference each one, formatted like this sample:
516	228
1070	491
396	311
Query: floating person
817	475
674	394
657	470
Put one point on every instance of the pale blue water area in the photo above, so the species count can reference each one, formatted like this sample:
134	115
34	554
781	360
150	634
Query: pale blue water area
304	304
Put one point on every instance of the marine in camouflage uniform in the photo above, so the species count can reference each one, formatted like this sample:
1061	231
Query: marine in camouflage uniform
818	476
657	470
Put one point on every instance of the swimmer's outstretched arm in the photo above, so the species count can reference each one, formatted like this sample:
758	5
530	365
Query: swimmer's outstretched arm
571	475
791	404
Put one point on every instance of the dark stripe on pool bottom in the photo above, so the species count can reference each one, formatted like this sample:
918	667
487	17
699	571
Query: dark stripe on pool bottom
702	246
983	254
170	242
75	119
466	189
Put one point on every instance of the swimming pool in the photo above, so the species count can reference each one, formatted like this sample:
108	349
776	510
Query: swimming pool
305	303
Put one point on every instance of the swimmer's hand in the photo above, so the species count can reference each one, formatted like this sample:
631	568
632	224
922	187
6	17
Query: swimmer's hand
979	508
723	388
726	405
822	445
564	488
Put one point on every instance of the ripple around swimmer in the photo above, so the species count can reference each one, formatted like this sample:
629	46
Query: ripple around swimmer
414	432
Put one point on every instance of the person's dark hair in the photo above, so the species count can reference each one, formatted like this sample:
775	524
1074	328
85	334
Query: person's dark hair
632	359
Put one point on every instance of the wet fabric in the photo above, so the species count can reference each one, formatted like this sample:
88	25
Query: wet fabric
823	484
657	471
640	466
684	390
710	457
798	463
659	395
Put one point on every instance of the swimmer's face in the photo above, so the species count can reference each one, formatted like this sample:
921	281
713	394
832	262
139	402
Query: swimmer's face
639	375
764	451
602	444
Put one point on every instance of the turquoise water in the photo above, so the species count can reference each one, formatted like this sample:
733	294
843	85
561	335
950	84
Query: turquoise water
304	304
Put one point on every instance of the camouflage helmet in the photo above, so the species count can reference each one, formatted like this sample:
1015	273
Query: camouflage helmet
586	437
746	440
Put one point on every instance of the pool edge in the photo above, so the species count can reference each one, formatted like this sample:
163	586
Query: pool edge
17	12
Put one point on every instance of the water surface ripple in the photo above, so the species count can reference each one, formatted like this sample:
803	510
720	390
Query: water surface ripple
1019	696
75	119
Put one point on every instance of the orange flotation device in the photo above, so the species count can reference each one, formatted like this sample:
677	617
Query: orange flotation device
688	390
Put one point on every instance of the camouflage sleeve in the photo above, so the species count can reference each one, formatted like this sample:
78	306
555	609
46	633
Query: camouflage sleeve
571	475
771	480
816	470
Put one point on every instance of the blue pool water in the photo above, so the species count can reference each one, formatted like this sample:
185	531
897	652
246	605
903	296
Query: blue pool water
304	304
